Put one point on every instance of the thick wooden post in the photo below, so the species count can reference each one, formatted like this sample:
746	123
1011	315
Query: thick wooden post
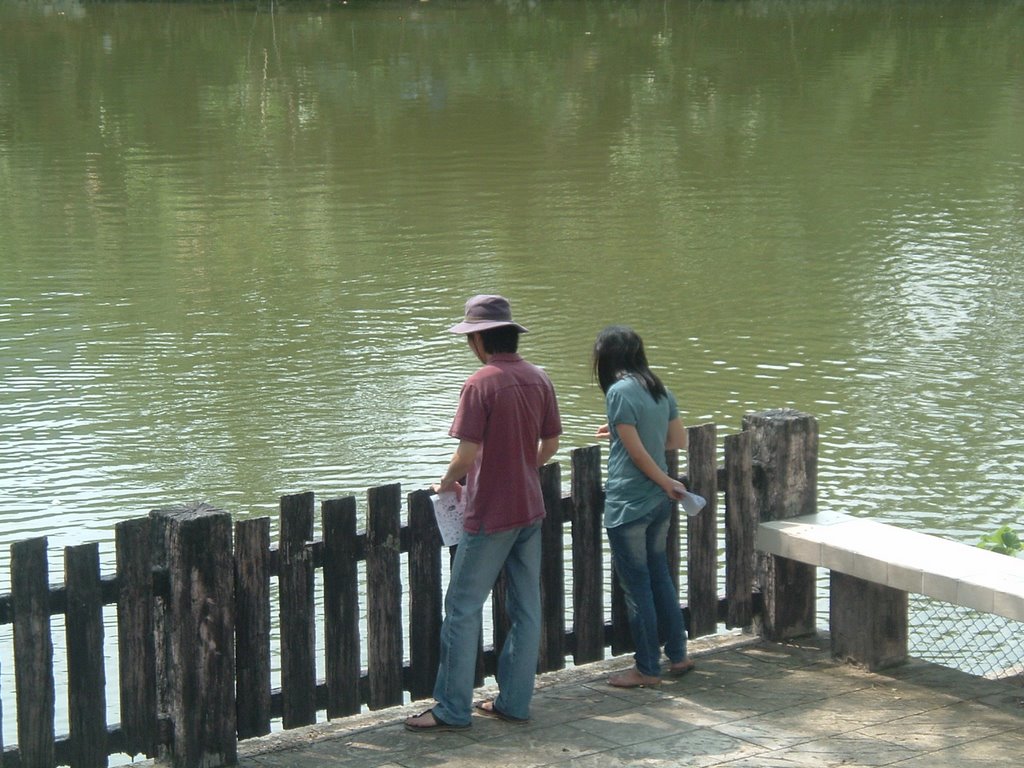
136	636
425	599
252	625
868	622
384	596
785	449
297	610
33	652
588	587
740	525
702	531
202	618
87	710
552	572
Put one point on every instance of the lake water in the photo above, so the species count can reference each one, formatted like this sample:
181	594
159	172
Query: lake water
232	237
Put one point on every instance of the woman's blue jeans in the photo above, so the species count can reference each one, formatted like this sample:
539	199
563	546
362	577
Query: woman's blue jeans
479	559
641	562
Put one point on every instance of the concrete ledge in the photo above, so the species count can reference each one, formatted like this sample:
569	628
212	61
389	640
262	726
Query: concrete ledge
902	559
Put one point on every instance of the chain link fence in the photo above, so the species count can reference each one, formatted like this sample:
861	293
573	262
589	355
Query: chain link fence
982	644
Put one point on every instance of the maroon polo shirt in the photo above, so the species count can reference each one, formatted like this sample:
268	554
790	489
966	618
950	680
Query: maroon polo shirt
506	407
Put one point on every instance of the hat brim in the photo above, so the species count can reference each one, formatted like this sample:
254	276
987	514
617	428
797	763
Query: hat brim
484	326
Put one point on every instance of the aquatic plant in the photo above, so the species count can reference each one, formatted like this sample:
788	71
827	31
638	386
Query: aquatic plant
1004	541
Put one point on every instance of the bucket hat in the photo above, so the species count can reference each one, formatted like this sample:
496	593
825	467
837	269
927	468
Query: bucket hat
484	312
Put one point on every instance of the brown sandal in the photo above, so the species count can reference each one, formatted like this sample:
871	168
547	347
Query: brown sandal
486	707
416	725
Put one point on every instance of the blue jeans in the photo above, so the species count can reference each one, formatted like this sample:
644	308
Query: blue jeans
479	559
641	562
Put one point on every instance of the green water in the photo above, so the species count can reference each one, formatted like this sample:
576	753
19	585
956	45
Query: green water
232	236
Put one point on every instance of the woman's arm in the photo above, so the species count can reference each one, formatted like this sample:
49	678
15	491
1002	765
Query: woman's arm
678	438
642	459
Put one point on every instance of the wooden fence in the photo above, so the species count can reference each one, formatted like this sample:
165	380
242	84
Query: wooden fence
192	591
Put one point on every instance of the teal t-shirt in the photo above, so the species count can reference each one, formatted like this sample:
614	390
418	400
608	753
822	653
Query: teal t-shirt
629	493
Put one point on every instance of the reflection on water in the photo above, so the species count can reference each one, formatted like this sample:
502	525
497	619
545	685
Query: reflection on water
231	239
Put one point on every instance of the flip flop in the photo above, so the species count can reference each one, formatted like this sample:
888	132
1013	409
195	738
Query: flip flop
437	726
487	708
683	667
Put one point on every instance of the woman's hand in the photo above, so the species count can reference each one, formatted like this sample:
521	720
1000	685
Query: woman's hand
675	489
604	432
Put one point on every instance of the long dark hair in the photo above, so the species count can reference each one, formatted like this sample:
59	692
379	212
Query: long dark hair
619	352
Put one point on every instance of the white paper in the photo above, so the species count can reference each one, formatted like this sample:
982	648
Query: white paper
449	512
692	503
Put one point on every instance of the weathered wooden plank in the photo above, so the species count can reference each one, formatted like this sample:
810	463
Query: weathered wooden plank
136	642
500	624
740	526
552	572
297	611
384	596
201	618
673	545
252	625
621	633
785	447
702	531
341	606
87	702
588	559
33	652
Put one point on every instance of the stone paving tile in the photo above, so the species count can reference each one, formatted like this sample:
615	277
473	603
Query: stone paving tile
1004	749
701	748
844	750
515	747
748	705
938	728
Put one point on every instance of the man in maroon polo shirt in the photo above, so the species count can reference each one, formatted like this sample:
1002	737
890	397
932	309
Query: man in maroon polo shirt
507	425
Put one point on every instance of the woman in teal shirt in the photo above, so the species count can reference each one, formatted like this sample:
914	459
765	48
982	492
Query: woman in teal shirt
643	422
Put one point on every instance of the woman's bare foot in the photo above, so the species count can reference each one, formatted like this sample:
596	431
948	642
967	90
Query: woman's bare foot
680	668
633	678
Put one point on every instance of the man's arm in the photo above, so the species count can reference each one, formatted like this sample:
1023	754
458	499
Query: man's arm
546	449
459	466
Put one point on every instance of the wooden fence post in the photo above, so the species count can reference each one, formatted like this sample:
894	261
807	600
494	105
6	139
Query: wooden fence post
425	599
552	572
87	710
588	565
136	636
297	611
252	625
384	596
33	652
785	448
201	616
702	531
740	526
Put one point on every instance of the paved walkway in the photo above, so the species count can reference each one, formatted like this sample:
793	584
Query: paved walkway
747	705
